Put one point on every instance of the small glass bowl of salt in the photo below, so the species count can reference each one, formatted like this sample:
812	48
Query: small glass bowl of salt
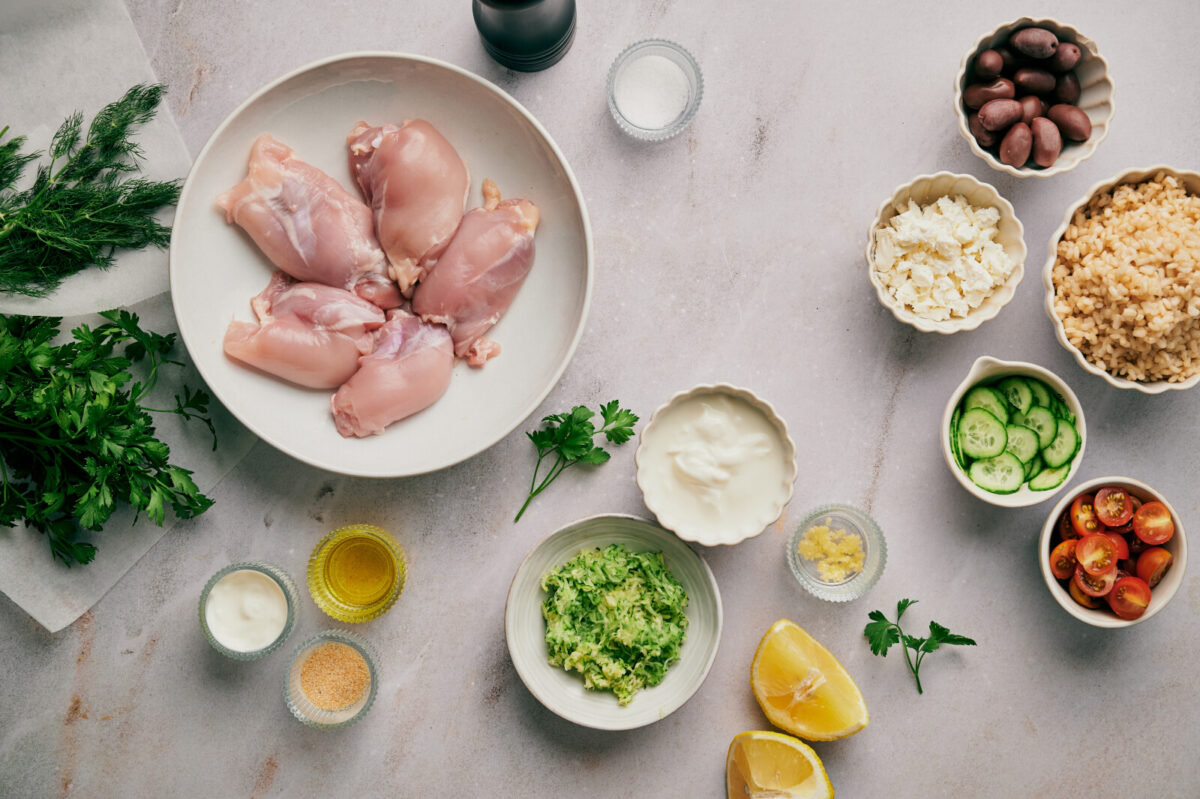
654	89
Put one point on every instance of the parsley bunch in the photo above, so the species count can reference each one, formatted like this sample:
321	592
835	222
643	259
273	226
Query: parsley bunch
75	437
882	633
568	436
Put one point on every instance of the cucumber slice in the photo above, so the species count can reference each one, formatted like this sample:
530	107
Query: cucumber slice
980	434
1041	421
1016	392
1064	446
1060	410
1041	392
1002	474
1022	442
1049	478
1034	467
989	399
954	448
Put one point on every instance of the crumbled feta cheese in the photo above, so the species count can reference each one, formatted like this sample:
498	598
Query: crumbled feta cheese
942	260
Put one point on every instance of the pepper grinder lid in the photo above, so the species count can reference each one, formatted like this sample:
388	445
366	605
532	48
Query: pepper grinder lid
525	35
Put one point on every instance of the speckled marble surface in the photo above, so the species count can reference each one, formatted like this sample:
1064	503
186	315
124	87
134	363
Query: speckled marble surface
733	252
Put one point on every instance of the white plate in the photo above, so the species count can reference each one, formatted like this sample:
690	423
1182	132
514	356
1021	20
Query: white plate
562	691
216	269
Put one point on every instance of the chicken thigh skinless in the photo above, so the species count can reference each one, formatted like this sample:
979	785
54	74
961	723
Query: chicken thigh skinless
308	225
476	278
408	371
417	185
307	333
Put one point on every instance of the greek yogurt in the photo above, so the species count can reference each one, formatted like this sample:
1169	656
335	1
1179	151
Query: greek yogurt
246	611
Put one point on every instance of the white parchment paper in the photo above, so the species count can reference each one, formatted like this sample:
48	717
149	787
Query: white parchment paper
62	56
56	57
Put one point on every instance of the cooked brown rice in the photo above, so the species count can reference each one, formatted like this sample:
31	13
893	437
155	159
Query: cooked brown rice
1127	281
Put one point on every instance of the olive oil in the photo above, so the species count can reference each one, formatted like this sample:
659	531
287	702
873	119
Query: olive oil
356	573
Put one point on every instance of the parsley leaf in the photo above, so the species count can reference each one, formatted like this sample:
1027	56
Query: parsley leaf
570	438
882	634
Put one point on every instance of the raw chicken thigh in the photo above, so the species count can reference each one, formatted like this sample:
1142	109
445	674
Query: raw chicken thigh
308	333
308	225
408	371
417	185
477	277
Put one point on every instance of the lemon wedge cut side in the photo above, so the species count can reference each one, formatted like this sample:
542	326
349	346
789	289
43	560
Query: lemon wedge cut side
770	764
802	688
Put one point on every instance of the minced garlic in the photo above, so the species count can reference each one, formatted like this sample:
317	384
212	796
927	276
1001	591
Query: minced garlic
837	553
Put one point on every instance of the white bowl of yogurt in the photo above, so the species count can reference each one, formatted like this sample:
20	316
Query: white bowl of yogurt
716	464
247	610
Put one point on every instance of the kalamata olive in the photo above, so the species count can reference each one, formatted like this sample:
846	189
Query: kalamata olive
1008	59
1067	89
982	135
1072	122
1066	57
999	114
1035	81
1034	42
1032	106
1015	147
988	64
1047	142
977	94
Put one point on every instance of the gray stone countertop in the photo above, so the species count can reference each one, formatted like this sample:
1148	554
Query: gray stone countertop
733	252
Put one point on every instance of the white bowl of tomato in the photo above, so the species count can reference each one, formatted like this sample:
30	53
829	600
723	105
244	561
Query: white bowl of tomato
1113	552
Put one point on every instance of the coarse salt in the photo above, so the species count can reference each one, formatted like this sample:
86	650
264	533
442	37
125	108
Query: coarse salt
651	91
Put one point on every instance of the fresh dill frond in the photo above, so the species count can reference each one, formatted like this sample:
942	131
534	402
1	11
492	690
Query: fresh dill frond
84	205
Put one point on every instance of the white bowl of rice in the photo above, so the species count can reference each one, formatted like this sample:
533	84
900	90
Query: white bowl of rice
1123	280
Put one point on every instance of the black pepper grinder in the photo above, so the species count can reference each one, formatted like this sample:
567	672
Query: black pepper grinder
526	35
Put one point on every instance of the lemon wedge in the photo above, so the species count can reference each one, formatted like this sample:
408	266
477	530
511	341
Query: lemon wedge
802	688
771	764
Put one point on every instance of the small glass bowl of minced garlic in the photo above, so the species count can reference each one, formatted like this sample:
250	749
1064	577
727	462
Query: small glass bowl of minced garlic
837	553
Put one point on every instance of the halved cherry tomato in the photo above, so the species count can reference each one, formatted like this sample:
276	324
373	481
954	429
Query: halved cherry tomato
1077	594
1153	564
1152	523
1066	530
1083	515
1113	507
1129	597
1122	546
1127	527
1136	545
1062	560
1096	553
1091	584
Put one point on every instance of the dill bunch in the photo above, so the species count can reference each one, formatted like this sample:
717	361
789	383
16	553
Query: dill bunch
83	205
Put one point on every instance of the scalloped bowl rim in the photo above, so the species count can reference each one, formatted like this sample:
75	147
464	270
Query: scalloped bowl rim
1090	146
1125	176
750	528
1024	497
993	304
1165	591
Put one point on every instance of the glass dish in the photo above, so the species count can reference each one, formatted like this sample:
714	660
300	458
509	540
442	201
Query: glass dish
336	573
855	522
285	584
303	708
691	73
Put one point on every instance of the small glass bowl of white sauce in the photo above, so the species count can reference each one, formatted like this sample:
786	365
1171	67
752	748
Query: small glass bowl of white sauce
247	610
654	89
837	553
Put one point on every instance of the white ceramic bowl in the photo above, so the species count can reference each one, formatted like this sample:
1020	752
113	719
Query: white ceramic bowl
1189	179
924	190
755	519
986	368
215	268
1096	99
562	692
1160	595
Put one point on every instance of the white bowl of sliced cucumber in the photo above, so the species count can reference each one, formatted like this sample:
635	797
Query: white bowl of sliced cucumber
1013	433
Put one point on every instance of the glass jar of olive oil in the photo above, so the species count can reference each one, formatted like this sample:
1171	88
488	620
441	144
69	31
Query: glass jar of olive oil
356	573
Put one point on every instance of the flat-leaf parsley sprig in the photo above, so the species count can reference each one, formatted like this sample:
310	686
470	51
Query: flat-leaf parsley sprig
569	437
882	633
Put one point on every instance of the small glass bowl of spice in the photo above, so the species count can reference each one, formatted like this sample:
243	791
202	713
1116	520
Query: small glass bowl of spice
247	610
837	553
333	680
356	573
654	89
